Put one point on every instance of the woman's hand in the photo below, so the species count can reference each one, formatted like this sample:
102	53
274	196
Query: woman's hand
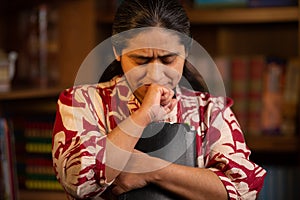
128	181
140	171
131	178
158	102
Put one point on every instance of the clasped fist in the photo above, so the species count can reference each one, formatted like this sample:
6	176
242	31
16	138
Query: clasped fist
158	101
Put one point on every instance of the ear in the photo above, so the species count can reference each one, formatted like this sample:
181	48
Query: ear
117	56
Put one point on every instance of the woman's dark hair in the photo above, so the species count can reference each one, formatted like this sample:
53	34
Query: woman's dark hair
135	14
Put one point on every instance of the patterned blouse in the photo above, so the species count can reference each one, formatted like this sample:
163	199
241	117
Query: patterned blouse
87	113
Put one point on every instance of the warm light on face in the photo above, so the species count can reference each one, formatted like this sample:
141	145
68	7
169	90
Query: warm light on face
160	65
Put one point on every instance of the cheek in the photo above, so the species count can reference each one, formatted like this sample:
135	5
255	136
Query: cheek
176	71
174	77
134	75
179	66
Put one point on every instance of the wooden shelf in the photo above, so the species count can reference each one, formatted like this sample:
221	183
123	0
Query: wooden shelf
243	15
34	100
30	93
38	195
230	15
265	143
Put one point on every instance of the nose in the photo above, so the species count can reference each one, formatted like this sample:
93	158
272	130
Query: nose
155	72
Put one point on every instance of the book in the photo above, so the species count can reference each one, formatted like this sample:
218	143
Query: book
38	173
9	183
223	64
272	99
257	65
34	156
220	3
265	91
280	182
172	142
271	3
291	92
240	89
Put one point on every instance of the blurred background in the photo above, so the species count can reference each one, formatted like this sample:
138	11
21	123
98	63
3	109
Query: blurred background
254	43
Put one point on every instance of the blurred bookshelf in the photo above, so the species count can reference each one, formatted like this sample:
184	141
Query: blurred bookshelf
30	93
273	144
43	70
230	15
225	32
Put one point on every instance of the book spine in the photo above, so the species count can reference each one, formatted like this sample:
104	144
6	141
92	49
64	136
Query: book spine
257	67
35	164
239	89
291	97
272	98
39	173
220	3
9	175
280	183
269	3
223	64
43	184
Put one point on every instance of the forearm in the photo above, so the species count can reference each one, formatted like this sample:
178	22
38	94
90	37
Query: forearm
189	182
121	142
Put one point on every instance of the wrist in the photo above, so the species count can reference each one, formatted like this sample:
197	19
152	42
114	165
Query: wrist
141	118
156	175
131	127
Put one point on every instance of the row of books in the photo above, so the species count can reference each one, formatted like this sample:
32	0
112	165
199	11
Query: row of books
8	175
265	91
244	3
280	183
34	155
112	5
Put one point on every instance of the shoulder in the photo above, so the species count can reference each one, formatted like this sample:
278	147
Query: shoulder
203	106
73	94
204	98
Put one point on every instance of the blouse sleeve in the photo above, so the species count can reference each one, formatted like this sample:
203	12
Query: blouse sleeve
227	154
78	145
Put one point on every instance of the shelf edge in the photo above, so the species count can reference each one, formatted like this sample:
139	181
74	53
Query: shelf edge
231	15
30	93
244	15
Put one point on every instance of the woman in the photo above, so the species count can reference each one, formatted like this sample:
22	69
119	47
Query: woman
97	126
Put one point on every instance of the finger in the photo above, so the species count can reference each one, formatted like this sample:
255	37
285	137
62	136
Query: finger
170	106
167	93
167	97
173	104
167	102
157	112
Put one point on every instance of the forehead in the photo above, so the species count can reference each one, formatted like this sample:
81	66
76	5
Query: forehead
150	52
159	39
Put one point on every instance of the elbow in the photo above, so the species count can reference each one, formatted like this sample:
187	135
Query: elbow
78	181
80	186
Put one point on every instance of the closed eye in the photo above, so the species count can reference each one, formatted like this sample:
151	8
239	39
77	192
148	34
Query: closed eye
165	59
168	59
141	60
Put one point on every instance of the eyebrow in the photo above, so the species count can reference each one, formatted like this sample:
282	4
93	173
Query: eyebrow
134	55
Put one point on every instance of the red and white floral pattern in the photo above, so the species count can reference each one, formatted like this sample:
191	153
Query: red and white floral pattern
86	114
